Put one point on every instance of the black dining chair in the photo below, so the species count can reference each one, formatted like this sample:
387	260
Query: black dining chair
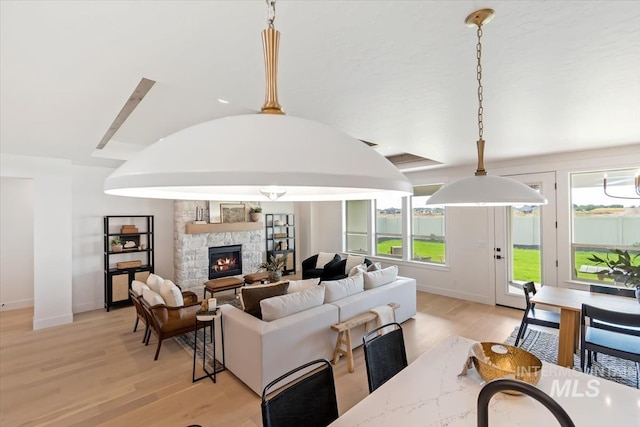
384	354
309	401
623	292
614	343
533	316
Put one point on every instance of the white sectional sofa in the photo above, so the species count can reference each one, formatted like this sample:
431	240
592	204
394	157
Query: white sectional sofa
257	352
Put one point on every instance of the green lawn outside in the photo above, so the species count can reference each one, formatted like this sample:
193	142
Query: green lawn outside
526	262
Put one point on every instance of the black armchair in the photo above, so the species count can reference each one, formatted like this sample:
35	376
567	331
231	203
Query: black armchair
337	270
310	271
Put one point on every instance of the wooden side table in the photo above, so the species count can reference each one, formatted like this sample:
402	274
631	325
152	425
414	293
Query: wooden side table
204	319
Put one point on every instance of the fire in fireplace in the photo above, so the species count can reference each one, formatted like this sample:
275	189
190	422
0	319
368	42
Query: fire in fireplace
225	261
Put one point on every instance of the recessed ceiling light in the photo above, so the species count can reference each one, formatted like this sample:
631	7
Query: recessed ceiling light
222	101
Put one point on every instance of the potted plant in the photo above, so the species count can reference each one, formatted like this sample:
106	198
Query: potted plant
274	267
623	267
116	245
255	213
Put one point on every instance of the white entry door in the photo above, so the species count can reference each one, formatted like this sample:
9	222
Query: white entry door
525	245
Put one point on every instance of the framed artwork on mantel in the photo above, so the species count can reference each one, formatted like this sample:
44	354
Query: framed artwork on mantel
233	212
214	213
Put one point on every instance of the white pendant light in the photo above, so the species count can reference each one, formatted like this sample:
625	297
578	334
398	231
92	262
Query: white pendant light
266	156
482	189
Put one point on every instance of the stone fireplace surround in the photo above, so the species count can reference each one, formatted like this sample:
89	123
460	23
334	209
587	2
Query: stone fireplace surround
191	251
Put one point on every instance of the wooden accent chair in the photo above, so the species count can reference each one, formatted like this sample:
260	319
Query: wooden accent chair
140	313
167	322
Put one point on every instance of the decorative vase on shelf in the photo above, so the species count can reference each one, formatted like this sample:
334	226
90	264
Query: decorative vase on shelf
256	216
116	248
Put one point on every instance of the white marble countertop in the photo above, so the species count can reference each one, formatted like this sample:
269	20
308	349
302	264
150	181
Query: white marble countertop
429	393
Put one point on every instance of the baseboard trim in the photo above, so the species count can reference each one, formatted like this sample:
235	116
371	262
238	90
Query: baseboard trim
52	321
14	305
454	294
90	306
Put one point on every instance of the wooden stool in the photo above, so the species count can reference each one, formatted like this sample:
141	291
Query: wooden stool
344	335
222	284
250	279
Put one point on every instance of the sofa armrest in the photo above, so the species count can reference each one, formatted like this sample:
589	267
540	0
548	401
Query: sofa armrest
189	297
163	315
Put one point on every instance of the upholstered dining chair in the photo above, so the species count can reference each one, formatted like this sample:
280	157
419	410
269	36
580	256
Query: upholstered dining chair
310	401
616	342
533	316
384	354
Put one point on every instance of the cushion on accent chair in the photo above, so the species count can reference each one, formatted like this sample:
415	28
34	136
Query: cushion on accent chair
373	279
250	296
171	294
338	289
138	287
154	282
153	298
309	269
324	258
285	305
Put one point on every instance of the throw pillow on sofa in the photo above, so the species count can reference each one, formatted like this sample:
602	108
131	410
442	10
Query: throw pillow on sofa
171	294
358	269
338	289
373	279
301	285
352	261
286	305
250	296
154	282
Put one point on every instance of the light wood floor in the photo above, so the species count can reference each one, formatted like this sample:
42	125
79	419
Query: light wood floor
96	372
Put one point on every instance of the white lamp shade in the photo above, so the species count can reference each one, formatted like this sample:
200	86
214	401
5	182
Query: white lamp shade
486	190
233	158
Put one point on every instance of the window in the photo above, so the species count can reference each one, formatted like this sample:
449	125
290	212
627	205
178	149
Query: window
357	220
383	227
603	221
427	226
389	227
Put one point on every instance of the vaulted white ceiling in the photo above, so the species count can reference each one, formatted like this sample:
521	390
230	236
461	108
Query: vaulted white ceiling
558	75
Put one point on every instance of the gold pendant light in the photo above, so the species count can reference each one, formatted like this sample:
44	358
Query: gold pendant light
483	189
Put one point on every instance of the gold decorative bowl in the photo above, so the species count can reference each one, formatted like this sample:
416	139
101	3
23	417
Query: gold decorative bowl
506	361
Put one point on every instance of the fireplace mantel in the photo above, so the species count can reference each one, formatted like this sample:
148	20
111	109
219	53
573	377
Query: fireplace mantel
222	227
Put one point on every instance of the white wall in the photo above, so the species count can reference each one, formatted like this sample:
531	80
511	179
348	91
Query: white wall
16	245
51	234
68	206
469	273
90	204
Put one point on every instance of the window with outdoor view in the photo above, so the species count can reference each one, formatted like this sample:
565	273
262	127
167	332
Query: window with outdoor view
425	240
388	230
606	219
427	226
357	220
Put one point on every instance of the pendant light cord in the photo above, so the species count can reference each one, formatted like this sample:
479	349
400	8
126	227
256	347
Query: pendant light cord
479	77
480	170
271	12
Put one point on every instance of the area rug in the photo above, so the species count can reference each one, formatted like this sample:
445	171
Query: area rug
545	346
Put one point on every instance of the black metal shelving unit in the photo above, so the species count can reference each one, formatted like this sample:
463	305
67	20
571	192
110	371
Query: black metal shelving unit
117	281
281	239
